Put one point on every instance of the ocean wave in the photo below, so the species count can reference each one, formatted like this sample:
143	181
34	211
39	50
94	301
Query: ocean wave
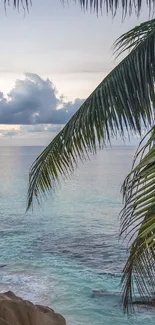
95	250
97	293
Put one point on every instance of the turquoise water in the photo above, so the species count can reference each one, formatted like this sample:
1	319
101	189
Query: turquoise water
66	253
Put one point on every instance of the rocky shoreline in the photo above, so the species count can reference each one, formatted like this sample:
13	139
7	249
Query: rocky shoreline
17	311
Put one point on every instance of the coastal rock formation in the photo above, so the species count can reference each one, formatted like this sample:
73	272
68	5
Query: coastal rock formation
16	311
150	303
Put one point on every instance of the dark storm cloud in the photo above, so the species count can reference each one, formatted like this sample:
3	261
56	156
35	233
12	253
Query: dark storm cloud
35	101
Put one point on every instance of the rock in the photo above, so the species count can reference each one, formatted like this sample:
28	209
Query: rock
97	293
3	265
150	303
16	311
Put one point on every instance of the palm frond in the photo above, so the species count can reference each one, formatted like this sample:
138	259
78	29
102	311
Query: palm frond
121	102
127	6
138	223
131	39
18	3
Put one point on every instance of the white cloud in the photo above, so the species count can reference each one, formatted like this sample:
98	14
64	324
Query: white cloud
35	101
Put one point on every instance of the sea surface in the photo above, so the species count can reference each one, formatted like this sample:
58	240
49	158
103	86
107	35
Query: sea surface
66	253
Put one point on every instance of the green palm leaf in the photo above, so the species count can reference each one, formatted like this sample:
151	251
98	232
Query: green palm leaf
134	37
121	102
128	6
138	223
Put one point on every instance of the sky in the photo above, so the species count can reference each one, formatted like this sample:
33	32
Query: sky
51	59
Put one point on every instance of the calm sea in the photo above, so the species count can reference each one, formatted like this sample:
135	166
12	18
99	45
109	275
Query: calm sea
66	254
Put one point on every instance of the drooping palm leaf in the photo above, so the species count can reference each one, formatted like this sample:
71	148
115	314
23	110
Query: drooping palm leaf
138	223
127	6
121	102
17	3
134	37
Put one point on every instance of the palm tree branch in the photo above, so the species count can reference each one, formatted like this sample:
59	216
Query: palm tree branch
134	37
139	271
128	6
138	223
17	3
118	105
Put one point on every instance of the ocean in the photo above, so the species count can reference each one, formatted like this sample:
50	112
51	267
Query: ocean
67	253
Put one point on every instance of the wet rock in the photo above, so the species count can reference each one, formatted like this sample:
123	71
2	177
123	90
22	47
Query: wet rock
17	311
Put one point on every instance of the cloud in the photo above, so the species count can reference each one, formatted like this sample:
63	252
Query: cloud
8	133
35	101
39	128
34	130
